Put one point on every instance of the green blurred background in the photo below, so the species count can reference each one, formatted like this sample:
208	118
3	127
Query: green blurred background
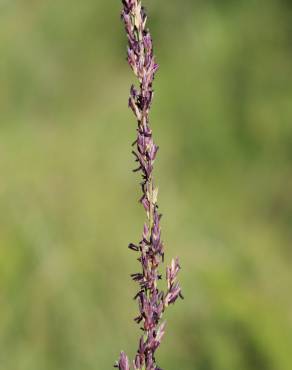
222	116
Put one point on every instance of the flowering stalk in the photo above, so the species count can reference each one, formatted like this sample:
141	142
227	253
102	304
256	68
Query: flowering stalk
152	301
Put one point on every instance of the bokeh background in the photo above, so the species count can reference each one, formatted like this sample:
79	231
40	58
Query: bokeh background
222	116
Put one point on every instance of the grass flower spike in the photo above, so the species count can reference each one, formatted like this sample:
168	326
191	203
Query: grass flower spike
151	300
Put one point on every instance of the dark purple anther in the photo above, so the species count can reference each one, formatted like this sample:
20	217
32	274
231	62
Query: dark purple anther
152	302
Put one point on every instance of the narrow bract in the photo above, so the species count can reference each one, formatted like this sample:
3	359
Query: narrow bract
151	300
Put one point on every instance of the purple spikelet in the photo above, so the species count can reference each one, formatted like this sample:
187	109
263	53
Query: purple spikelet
152	301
